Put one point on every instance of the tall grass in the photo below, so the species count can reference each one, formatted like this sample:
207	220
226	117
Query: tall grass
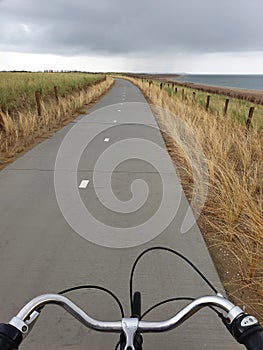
237	109
18	89
232	218
20	124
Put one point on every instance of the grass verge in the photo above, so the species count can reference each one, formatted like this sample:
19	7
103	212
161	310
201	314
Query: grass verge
21	127
232	218
237	109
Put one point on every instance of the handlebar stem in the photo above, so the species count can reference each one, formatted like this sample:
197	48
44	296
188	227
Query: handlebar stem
130	326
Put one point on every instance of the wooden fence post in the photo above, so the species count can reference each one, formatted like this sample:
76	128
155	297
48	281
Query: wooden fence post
194	96
250	115
207	102
175	90
37	96
56	93
182	94
226	106
161	86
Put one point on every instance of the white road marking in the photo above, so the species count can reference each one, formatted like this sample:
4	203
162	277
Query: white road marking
107	139
119	110
84	184
114	121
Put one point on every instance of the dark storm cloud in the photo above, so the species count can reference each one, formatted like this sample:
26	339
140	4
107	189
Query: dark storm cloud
123	26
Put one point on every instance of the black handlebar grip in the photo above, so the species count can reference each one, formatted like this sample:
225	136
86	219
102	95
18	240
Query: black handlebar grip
254	340
10	337
247	331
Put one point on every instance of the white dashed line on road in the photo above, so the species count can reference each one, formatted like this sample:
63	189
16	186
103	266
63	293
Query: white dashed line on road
84	184
107	139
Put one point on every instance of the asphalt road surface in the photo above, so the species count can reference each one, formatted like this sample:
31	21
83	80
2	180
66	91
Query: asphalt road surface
40	250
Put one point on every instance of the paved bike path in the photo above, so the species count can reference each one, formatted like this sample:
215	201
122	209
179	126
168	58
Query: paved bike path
40	252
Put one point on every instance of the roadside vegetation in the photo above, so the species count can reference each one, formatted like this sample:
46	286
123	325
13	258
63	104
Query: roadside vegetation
237	109
34	104
232	218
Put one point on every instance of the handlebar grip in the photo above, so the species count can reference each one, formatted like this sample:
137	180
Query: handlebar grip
254	340
10	337
247	331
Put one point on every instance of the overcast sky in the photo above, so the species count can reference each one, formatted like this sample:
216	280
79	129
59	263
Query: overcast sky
195	36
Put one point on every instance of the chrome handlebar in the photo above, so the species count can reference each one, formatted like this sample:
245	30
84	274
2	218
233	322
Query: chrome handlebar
28	314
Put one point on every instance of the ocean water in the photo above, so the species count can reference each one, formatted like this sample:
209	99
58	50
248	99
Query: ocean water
250	82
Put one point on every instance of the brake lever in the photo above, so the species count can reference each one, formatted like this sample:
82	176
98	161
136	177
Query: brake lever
26	326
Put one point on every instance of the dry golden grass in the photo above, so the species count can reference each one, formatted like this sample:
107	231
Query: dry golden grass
25	125
232	218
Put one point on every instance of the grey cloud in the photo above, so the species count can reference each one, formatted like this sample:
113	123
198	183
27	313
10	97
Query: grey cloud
128	27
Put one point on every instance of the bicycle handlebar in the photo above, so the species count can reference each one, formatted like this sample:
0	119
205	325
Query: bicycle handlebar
116	326
244	328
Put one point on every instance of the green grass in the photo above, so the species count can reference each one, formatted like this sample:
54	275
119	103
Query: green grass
17	90
237	109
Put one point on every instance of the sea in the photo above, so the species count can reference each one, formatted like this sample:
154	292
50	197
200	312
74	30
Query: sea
248	82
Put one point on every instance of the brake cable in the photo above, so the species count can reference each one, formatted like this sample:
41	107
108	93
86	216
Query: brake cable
173	299
98	288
